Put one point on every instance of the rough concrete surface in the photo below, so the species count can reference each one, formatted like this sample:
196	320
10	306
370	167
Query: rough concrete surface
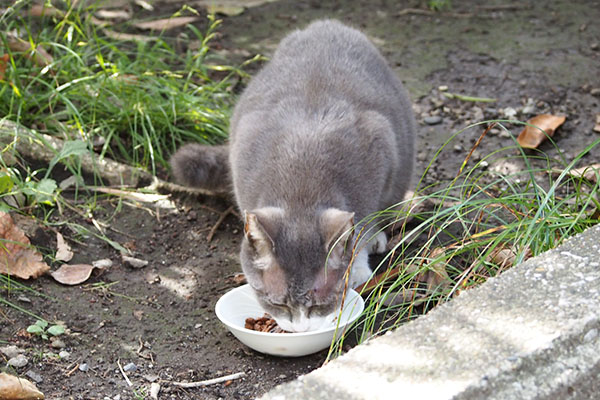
531	333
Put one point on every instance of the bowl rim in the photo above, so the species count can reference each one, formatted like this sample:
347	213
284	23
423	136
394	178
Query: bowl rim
332	329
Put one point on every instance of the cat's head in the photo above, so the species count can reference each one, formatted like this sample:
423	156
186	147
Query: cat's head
296	264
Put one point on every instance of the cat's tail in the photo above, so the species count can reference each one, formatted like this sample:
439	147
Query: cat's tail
204	167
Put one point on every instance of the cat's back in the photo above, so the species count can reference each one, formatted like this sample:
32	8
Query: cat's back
325	119
325	60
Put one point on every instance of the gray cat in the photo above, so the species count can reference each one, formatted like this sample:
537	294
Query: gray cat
322	137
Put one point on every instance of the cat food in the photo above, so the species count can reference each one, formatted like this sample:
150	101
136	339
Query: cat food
263	324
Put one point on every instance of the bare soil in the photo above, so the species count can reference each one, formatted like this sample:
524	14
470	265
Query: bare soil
161	317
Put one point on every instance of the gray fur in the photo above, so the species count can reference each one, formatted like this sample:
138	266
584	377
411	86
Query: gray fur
202	166
322	136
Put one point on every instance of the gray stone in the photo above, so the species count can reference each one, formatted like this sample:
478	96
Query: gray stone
84	367
130	367
34	376
531	333
11	351
57	343
432	120
18	361
64	354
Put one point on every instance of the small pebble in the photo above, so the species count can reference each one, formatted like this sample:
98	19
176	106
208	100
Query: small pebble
151	378
10	351
595	92
591	335
509	112
18	361
64	354
34	376
458	148
103	263
134	262
24	299
130	367
154	390
84	367
432	120
443	88
57	343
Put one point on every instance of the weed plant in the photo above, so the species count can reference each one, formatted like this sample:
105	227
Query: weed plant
479	224
131	100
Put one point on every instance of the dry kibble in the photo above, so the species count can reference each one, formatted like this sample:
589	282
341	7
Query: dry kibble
263	324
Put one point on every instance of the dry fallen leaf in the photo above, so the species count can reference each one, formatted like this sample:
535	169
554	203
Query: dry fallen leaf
17	257
46	10
14	388
531	136
63	250
72	274
113	14
505	257
436	277
589	172
127	36
39	56
3	64
165	23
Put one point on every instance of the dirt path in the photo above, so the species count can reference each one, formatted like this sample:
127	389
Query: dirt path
161	318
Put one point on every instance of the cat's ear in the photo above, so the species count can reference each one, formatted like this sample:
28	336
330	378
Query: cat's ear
261	226
337	227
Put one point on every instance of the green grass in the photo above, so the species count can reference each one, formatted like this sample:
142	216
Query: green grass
474	227
135	101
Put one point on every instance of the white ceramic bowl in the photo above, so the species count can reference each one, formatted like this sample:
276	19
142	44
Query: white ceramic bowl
240	303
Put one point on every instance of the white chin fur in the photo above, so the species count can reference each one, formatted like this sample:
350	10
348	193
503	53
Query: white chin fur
305	324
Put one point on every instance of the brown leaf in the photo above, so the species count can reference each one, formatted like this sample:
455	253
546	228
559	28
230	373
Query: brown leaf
39	56
39	10
113	14
165	23
13	388
436	277
127	36
531	136
63	250
3	64
589	172
72	274
17	257
505	257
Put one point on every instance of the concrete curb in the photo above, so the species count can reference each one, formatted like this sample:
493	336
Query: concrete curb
531	333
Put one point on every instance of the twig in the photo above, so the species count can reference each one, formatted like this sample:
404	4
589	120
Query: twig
463	97
372	283
124	374
207	382
214	228
44	148
504	7
70	372
418	11
421	11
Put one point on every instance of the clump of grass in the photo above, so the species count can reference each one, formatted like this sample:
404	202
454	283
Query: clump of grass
131	100
474	227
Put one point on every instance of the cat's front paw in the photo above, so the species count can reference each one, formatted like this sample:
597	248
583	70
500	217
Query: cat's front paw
360	272
378	244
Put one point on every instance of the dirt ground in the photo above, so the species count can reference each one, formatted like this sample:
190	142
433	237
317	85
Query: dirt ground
161	317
